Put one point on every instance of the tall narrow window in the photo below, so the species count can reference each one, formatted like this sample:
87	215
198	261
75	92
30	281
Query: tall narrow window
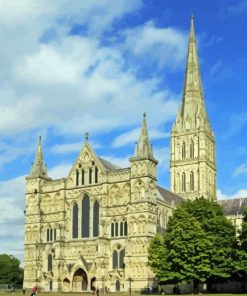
115	260
192	181
85	217
183	151
55	234
191	149
82	177
96	219
75	221
121	259
116	229
112	229
96	175
77	178
48	234
49	259
51	234
121	229
183	183
90	176
125	228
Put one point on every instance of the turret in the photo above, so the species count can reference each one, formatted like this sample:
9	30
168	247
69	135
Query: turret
143	166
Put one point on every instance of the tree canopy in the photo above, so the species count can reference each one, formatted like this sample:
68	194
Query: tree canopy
10	270
199	245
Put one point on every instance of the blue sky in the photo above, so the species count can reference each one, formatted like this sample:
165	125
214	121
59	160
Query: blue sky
68	67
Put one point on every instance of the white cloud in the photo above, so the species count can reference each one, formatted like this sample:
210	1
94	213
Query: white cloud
60	171
132	136
239	194
167	46
162	154
12	197
242	169
122	162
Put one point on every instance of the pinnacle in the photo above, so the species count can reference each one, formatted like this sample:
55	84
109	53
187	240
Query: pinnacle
38	167
143	147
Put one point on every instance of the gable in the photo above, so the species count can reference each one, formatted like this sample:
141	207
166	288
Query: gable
88	169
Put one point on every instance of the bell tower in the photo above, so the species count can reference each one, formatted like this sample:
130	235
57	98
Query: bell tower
193	164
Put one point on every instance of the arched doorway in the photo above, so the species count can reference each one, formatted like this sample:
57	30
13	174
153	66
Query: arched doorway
117	285
66	285
80	281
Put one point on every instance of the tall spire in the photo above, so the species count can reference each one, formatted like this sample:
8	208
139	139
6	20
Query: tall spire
143	146
193	99
38	168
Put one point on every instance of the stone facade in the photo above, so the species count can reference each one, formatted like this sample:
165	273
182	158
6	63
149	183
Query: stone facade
193	164
93	227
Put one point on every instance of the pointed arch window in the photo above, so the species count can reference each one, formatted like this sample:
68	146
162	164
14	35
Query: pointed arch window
192	149
75	221
51	234
85	217
82	177
116	229
115	260
55	234
125	228
49	262
90	176
48	234
121	259
96	219
192	181
112	229
121	229
183	151
77	177
183	182
96	172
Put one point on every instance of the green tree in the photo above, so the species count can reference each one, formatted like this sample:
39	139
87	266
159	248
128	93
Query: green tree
10	270
241	262
199	245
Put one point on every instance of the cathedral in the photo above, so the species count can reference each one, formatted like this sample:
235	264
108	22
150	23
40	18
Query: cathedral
92	228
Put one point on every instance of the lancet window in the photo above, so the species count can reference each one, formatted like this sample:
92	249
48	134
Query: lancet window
82	177
77	177
192	181
192	149
96	172
49	262
183	182
115	260
90	176
183	151
75	221
85	209
96	219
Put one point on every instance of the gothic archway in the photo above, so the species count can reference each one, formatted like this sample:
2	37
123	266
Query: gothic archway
80	281
66	285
